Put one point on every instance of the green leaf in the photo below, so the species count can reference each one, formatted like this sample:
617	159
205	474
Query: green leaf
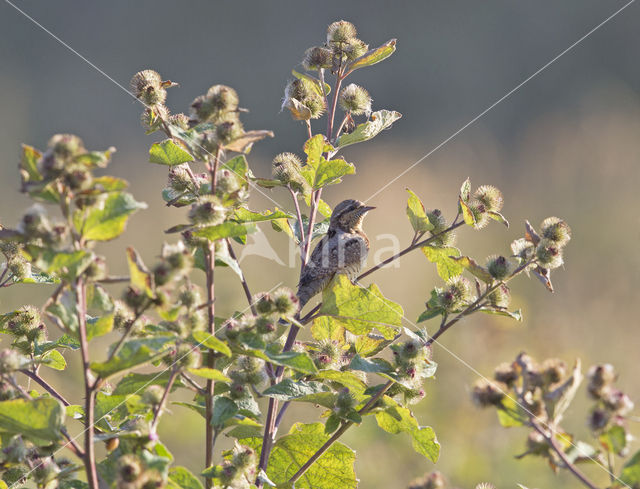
54	359
517	314
510	414
132	354
289	389
210	373
244	143
371	365
207	339
298	361
223	409
99	326
107	219
370	344
314	147
184	479
630	474
345	379
496	216
245	215
378	121
397	419
37	277
168	153
239	166
331	172
373	56
472	267
68	264
614	439
360	310
39	419
326	328
225	230
467	215
447	267
29	163
314	82
108	183
417	214
333	470
465	190
139	275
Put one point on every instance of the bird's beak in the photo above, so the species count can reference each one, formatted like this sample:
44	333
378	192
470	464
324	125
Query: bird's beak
366	208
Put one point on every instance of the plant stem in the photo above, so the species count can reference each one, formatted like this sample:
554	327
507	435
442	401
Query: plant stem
553	443
345	426
163	400
245	285
89	385
45	385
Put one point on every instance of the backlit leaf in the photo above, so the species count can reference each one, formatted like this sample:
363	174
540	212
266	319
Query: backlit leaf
447	267
378	121
417	214
168	153
373	56
108	218
39	419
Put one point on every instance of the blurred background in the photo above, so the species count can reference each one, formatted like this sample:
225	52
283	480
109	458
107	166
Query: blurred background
567	144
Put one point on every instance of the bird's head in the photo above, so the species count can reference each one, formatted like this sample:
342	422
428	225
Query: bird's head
348	215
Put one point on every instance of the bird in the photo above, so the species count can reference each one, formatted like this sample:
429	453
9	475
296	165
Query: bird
343	250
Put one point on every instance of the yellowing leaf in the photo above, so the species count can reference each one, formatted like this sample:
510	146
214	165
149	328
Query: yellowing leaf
140	277
442	257
374	56
417	214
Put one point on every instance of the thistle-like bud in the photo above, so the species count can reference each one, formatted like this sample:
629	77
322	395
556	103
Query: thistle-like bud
19	267
227	182
553	370
317	58
97	269
500	297
600	377
598	419
439	223
499	267
556	230
252	369
263	303
122	315
134	298
179	178
434	480
129	468
479	211
188	356
45	471
286	168
505	373
10	361
152	115
488	393
549	254
177	256
223	98
355	99
153	395
328	354
617	401
25	319
304	92
66	146
457	293
147	86
345	401
243	457
354	48
490	196
265	326
207	211
340	31
229	128
522	249
190	297
35	223
285	302
179	120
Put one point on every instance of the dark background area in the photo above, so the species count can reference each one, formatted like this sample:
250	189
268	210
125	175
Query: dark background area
565	144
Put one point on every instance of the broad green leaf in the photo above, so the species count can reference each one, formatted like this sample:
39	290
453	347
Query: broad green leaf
68	264
268	182
244	143
36	277
182	478
378	121
67	315
245	215
225	230
473	268
107	219
373	56
397	419
360	310
289	389
510	414
99	326
331	172
370	365
29	163
283	225
133	383
614	439
630	474
317	84
108	183
98	298
239	166
54	359
210	341
344	378
447	267
298	361
223	409
323	207
39	419
326	328
430	314
210	373
417	214
370	344
314	147
139	275
132	354
333	470
168	153
92	159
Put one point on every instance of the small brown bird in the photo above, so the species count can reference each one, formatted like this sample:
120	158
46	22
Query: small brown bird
343	249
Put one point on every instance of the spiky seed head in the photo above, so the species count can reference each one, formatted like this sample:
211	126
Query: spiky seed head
10	361
25	319
434	480
188	356
264	303
153	395
265	325
341	31
522	249
151	115
556	230
499	267
317	58
285	302
222	98
229	128
617	401
179	120
457	293
179	179
305	93
328	354
243	457
129	467
553	370
286	168
354	48
134	298
35	222
228	182
500	297
207	211
600	377
549	254
505	373
190	297
66	146
201	108
345	400
19	267
598	419
147	86
439	223
488	393
355	99
479	211
490	196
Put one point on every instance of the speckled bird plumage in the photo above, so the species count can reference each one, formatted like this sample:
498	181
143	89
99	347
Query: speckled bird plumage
342	250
